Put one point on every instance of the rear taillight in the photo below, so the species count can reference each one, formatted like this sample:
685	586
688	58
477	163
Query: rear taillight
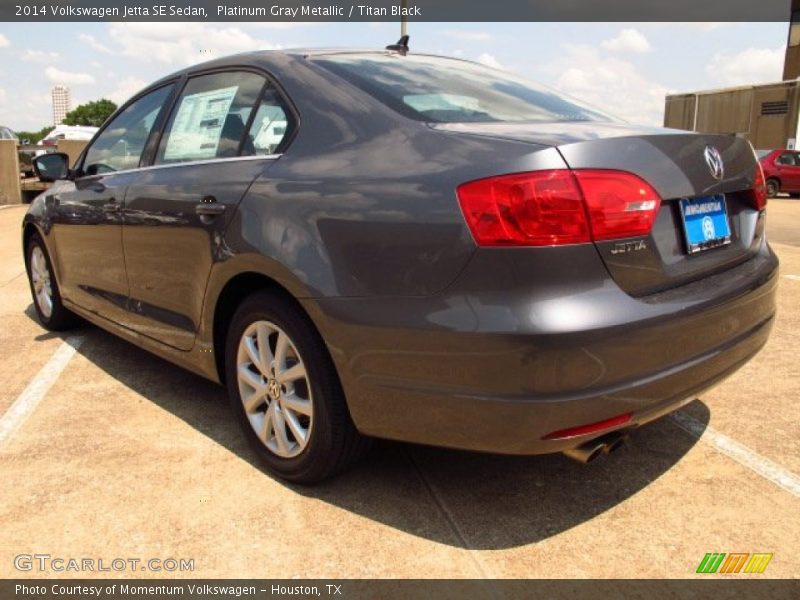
759	189
556	207
541	208
620	204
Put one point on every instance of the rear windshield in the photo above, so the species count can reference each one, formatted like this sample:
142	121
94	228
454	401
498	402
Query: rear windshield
444	90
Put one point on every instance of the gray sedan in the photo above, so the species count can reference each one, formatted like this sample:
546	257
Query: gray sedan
381	244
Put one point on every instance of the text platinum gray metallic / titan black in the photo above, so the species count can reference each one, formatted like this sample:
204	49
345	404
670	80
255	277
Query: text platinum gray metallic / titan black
382	244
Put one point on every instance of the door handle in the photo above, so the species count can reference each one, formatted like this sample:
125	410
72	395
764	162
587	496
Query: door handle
209	210
208	207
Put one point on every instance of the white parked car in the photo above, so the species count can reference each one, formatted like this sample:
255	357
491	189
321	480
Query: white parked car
66	132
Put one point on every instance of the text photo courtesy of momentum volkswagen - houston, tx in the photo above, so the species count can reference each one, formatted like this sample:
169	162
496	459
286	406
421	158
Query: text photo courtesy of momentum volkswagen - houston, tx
399	300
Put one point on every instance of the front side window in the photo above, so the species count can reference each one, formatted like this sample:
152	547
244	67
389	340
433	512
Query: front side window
442	90
210	117
121	144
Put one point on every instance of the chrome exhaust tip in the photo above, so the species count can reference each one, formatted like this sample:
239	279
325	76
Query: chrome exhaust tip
594	449
616	443
586	453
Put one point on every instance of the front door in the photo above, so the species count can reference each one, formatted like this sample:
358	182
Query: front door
87	213
176	211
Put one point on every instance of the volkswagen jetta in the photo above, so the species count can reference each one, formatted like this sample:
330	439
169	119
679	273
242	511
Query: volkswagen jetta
380	244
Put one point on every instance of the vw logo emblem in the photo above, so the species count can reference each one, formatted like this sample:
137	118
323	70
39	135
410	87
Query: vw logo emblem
714	162
709	232
274	389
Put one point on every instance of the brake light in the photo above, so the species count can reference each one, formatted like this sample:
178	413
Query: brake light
541	208
759	189
620	204
556	207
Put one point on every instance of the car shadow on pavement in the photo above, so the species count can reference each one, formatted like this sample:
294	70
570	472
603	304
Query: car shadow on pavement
461	499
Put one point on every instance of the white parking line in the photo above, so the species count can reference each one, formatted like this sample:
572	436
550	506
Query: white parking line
793	277
37	389
740	453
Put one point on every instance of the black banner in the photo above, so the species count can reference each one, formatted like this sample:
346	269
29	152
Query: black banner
393	10
715	587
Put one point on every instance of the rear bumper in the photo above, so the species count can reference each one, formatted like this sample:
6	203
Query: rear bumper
498	371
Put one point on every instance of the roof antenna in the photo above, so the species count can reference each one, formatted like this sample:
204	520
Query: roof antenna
401	47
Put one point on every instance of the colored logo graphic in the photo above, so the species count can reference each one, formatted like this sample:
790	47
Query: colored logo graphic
742	562
709	231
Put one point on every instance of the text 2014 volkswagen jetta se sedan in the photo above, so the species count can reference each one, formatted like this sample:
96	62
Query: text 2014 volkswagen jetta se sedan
408	247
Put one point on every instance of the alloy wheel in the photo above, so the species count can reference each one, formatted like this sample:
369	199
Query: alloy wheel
42	287
772	189
274	389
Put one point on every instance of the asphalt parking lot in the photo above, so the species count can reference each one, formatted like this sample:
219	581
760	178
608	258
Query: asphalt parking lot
116	453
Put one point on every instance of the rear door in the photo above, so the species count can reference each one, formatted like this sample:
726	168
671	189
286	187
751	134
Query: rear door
86	213
218	139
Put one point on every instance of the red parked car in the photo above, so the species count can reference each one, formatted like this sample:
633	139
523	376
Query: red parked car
782	171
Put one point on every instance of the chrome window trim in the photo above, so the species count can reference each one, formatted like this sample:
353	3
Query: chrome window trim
187	163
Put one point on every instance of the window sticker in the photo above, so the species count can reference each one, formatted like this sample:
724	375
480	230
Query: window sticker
197	127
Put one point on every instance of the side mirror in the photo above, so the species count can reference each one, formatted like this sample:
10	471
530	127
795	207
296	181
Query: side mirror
50	167
25	141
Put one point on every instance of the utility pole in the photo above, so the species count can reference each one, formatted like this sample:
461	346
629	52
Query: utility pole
403	18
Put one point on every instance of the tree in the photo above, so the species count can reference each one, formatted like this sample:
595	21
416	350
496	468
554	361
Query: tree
33	137
92	113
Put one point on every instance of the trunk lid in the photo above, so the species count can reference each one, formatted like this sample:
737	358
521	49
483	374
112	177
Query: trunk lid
674	163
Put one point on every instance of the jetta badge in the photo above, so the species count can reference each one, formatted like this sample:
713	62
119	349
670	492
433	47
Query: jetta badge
714	162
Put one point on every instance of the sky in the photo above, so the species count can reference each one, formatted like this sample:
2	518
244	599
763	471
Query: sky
624	69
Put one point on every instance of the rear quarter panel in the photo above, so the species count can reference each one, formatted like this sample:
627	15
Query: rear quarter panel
363	202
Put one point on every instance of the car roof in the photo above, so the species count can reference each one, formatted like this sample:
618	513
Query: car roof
266	58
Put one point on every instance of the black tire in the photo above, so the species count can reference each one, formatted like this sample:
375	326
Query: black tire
60	318
773	188
333	442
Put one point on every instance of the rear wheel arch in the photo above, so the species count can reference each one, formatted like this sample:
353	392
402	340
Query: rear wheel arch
232	294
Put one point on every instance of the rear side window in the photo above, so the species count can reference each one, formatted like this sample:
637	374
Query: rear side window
272	126
210	117
444	90
121	143
787	158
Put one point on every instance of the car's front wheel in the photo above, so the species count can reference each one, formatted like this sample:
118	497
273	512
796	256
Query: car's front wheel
286	393
44	288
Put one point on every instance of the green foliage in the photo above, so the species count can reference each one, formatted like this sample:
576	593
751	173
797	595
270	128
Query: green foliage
93	114
34	136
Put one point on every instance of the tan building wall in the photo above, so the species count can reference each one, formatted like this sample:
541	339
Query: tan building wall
791	61
767	115
9	173
71	148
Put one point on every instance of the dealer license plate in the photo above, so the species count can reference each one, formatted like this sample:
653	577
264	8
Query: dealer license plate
705	222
